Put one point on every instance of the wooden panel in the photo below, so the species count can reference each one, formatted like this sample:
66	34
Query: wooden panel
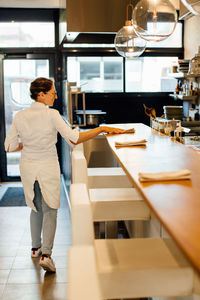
96	16
175	203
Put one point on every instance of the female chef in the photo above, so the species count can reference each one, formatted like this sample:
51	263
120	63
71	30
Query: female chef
37	128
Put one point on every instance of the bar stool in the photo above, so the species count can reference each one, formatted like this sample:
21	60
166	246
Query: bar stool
109	204
126	268
108	177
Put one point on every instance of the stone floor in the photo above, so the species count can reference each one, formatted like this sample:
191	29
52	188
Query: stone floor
21	278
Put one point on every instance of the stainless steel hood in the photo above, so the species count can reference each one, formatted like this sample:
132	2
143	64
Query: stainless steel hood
87	20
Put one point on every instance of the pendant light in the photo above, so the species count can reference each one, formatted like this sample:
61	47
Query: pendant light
193	7
127	43
154	20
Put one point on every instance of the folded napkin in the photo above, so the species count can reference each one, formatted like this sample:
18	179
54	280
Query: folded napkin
130	143
173	175
131	130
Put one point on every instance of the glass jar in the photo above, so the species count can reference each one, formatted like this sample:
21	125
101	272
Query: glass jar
194	65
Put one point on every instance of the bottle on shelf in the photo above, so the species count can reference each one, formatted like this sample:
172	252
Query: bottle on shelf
185	88
178	133
177	90
191	89
196	116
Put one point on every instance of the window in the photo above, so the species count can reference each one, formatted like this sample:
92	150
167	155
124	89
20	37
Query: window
27	34
96	74
18	75
150	74
173	41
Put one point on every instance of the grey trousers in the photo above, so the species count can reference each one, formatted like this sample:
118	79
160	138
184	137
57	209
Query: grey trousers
43	221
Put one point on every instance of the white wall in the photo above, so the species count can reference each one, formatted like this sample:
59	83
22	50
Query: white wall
191	36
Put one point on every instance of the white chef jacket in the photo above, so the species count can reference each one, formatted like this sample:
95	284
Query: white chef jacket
37	128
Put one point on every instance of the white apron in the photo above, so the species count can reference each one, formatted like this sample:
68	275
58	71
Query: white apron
47	173
37	127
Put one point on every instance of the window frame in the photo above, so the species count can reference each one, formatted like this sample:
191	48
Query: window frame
149	52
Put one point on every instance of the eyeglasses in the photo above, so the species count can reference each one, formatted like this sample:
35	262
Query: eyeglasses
53	93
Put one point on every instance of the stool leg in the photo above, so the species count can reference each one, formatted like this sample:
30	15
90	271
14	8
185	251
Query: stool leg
99	230
111	230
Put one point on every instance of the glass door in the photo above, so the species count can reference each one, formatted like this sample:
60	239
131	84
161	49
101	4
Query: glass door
17	76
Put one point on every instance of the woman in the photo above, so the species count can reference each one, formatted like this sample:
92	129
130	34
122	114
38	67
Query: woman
37	127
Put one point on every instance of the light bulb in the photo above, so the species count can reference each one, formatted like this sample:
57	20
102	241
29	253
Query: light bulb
128	44
154	20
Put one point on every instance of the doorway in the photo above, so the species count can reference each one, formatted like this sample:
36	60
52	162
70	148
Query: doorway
17	74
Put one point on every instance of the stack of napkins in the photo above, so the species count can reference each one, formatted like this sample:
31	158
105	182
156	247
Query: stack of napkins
130	143
174	175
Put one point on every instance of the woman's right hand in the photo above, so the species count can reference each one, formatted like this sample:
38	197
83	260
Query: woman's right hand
112	130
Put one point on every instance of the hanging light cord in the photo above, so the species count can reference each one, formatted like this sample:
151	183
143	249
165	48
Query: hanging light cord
127	7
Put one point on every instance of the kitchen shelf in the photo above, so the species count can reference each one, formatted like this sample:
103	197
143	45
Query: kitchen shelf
183	97
181	75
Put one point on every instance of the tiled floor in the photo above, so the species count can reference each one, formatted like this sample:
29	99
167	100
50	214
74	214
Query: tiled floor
21	278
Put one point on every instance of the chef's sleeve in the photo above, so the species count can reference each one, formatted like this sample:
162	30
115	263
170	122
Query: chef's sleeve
65	131
11	141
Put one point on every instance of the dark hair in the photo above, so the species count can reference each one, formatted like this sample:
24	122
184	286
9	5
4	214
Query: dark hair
40	84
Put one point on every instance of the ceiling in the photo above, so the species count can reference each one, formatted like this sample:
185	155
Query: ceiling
46	3
33	3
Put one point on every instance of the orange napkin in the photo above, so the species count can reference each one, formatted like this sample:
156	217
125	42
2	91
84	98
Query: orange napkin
131	130
130	143
173	175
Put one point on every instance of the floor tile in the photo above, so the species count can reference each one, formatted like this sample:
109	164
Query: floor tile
24	250
21	277
59	277
60	250
45	291
26	262
22	292
25	276
60	261
4	276
2	287
8	251
8	238
6	263
54	292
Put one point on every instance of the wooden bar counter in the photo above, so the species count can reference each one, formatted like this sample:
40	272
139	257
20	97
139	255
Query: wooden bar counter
175	203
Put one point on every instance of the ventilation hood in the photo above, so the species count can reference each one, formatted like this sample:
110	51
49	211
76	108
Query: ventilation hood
94	21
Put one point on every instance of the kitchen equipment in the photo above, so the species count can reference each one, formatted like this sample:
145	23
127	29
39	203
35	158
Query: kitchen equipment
93	117
173	112
74	96
160	124
183	65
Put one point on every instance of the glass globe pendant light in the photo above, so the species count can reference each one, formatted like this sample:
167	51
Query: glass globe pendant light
193	7
154	20
127	43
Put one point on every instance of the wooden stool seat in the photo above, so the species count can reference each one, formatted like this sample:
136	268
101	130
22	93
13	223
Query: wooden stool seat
120	268
109	204
140	268
112	177
118	204
108	177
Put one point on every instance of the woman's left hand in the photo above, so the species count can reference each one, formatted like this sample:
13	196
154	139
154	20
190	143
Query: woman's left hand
112	130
